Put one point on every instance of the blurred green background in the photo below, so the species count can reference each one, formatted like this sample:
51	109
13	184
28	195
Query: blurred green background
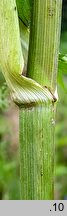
9	124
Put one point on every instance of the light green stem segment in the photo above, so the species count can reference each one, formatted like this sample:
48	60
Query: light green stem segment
37	152
44	42
23	90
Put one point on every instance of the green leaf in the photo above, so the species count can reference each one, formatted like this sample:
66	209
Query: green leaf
24	10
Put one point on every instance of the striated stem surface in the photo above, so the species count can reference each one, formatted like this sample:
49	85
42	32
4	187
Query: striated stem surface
37	152
37	122
44	42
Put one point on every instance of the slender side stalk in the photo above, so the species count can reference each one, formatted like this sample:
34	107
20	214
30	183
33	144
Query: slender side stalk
37	122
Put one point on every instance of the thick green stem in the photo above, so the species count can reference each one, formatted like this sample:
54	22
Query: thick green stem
37	152
37	123
44	42
35	100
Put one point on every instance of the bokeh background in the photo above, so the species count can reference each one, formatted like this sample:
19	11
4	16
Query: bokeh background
9	125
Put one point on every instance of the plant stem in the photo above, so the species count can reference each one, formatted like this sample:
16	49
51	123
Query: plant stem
36	101
37	152
44	42
37	122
